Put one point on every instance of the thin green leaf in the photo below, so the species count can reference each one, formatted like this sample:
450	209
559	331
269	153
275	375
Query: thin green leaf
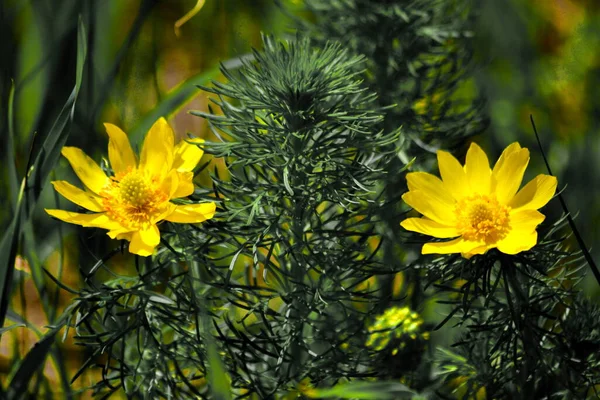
286	180
218	379
13	176
59	283
8	328
158	298
362	390
30	365
232	264
8	253
50	153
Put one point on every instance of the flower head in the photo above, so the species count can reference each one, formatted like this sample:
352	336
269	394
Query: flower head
395	327
479	207
137	196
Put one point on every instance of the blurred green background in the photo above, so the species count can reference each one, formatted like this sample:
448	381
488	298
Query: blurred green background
535	57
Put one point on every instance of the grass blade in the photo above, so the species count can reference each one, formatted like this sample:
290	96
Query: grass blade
580	242
180	96
8	253
30	364
13	176
38	173
362	390
218	378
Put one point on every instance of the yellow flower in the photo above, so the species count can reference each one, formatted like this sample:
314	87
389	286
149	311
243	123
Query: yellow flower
395	323
131	202
481	208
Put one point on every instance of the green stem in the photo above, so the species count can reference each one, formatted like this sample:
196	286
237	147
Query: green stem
522	323
393	190
297	271
297	264
584	249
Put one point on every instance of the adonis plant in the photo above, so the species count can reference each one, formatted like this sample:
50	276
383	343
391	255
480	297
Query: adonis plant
303	245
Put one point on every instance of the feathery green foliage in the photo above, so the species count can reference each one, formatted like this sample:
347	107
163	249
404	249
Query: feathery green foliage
301	141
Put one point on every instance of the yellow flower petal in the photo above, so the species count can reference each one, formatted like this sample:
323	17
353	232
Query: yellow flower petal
535	194
512	148
187	155
429	184
525	219
508	174
453	175
481	249
170	184
429	227
518	241
119	233
90	174
192	213
144	242
96	220
124	236
120	153
458	245
185	186
157	150
78	196
477	169
434	208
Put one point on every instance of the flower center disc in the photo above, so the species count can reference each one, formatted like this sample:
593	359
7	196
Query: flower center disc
134	199
134	190
482	219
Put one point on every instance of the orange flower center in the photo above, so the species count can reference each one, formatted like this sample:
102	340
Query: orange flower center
134	199
482	219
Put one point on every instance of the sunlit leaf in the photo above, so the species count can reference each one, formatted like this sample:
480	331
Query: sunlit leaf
362	390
